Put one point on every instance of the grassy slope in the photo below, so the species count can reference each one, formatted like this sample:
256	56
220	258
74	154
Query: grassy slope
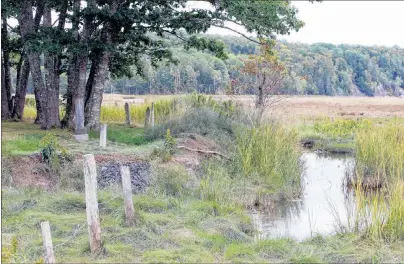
169	230
181	228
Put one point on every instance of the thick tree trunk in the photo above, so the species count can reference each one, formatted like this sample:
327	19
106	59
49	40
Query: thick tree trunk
51	80
27	28
21	91
5	113
78	66
6	65
72	82
37	21
95	94
93	106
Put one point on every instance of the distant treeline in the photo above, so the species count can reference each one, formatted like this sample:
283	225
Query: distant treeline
316	69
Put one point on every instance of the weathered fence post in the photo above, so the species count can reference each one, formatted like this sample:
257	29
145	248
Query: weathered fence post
103	135
147	117
127	195
79	131
152	114
47	243
93	219
127	114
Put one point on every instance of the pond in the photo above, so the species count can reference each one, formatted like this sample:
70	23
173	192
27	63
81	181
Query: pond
324	206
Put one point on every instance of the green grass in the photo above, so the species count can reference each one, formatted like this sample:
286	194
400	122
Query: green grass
123	134
380	159
163	233
270	153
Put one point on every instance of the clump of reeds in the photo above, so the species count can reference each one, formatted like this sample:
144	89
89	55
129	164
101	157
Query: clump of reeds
380	160
269	152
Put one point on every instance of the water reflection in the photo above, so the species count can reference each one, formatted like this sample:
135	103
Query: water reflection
325	205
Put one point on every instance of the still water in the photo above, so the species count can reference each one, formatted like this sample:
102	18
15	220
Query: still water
323	207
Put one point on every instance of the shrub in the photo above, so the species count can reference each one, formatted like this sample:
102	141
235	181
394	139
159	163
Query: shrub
52	151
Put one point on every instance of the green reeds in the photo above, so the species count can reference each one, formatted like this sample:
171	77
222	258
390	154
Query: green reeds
270	152
380	163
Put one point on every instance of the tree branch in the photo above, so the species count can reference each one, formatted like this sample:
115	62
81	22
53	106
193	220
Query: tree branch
203	151
235	31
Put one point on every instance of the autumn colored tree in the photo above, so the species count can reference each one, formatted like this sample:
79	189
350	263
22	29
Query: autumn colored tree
268	75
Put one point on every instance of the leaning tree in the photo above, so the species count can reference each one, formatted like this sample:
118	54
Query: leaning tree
89	39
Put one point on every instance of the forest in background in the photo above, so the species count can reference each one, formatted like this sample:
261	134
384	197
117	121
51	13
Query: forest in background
313	69
316	69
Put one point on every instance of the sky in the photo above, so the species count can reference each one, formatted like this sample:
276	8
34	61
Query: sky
345	22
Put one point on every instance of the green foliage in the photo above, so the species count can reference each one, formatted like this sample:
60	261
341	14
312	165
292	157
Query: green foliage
345	70
52	151
169	143
9	253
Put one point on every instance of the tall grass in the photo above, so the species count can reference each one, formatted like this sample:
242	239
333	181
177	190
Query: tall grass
269	152
380	152
340	127
380	159
116	114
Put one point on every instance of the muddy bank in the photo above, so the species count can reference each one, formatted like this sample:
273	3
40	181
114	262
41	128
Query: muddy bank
29	170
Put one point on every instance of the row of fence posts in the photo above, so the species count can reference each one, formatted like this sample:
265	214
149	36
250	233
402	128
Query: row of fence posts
90	181
149	121
93	218
149	118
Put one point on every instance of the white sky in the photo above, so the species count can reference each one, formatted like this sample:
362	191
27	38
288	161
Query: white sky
349	22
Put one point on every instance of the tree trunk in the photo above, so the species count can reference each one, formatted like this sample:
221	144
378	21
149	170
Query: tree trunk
37	21
21	91
93	107
78	66
5	113
6	66
27	28
51	80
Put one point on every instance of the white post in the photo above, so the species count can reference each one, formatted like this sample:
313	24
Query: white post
103	135
127	195
93	219
47	243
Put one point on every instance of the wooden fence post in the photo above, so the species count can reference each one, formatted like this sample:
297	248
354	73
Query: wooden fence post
127	195
93	219
152	114
127	114
147	117
47	243
103	135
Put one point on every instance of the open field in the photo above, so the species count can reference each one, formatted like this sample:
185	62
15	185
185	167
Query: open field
310	106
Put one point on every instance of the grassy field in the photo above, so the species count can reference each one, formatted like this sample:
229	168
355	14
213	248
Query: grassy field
195	208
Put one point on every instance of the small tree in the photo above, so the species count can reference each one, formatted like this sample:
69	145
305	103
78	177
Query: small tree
267	76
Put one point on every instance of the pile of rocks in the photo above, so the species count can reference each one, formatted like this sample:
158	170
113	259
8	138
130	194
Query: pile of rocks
110	173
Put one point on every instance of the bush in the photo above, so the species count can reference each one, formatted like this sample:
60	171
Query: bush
203	121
